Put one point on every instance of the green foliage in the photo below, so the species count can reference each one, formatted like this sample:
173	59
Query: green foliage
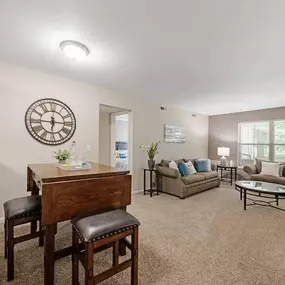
152	151
62	154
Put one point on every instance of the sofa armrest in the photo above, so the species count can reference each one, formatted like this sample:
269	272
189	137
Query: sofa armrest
250	169
168	172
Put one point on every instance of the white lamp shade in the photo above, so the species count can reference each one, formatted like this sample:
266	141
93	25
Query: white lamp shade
223	151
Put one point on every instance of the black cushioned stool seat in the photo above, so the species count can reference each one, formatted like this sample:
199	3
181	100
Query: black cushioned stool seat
20	211
98	232
103	225
22	207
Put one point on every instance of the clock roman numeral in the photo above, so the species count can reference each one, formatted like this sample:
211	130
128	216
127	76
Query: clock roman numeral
44	135
65	130
37	112
60	136
53	106
52	138
66	116
44	107
38	128
68	124
36	121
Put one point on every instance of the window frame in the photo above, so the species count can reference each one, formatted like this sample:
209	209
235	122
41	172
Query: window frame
273	138
271	145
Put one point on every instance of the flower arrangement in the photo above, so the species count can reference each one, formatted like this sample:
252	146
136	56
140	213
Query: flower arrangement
62	155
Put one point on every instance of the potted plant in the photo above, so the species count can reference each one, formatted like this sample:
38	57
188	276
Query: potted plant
62	156
152	151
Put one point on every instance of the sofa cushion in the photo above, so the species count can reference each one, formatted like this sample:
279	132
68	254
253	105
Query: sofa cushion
165	163
182	168
169	172
173	165
190	166
201	165
250	169
268	178
209	174
258	164
270	168
281	170
192	179
191	159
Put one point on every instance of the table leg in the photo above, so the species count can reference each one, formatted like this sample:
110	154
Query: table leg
240	194
31	186
144	181
49	254
122	246
277	200
235	174
231	176
244	199
34	224
156	183
150	181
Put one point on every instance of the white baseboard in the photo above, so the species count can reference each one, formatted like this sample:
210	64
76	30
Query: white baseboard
137	191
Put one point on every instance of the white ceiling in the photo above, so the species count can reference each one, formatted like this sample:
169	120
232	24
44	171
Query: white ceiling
207	56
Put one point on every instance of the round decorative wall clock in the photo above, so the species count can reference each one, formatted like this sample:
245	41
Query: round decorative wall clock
50	121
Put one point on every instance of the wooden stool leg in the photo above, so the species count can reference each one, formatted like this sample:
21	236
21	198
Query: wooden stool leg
134	269
42	234
10	245
116	253
75	260
89	264
5	239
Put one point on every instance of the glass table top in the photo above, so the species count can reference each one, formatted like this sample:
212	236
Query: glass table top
259	186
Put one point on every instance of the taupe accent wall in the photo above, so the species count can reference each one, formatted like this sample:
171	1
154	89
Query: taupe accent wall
223	129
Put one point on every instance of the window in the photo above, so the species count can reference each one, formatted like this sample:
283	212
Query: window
279	140
253	142
264	140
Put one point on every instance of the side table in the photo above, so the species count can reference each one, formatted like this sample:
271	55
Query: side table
231	169
158	181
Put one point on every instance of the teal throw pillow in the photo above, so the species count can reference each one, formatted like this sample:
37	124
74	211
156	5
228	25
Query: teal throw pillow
182	168
201	165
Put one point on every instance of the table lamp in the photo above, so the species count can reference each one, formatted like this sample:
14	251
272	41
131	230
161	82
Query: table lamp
223	151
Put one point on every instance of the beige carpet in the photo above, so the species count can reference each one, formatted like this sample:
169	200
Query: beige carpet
206	239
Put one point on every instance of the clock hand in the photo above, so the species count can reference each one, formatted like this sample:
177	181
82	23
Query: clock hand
45	121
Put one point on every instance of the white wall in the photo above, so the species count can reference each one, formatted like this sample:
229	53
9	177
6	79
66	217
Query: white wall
19	87
122	131
104	137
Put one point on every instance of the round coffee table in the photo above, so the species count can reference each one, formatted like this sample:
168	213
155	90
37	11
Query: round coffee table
262	190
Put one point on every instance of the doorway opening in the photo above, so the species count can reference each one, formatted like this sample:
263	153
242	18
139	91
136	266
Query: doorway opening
115	137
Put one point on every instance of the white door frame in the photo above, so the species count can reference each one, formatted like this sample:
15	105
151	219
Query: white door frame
113	137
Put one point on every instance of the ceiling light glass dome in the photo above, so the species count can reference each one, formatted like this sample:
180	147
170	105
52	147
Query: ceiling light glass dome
74	50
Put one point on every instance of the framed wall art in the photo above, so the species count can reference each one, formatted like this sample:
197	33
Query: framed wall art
174	134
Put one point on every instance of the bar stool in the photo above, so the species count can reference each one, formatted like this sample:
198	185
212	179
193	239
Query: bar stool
97	232
20	211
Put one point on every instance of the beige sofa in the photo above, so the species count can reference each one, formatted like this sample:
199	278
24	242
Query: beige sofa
254	170
174	184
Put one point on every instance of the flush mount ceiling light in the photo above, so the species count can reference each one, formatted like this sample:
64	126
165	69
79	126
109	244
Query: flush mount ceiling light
74	50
